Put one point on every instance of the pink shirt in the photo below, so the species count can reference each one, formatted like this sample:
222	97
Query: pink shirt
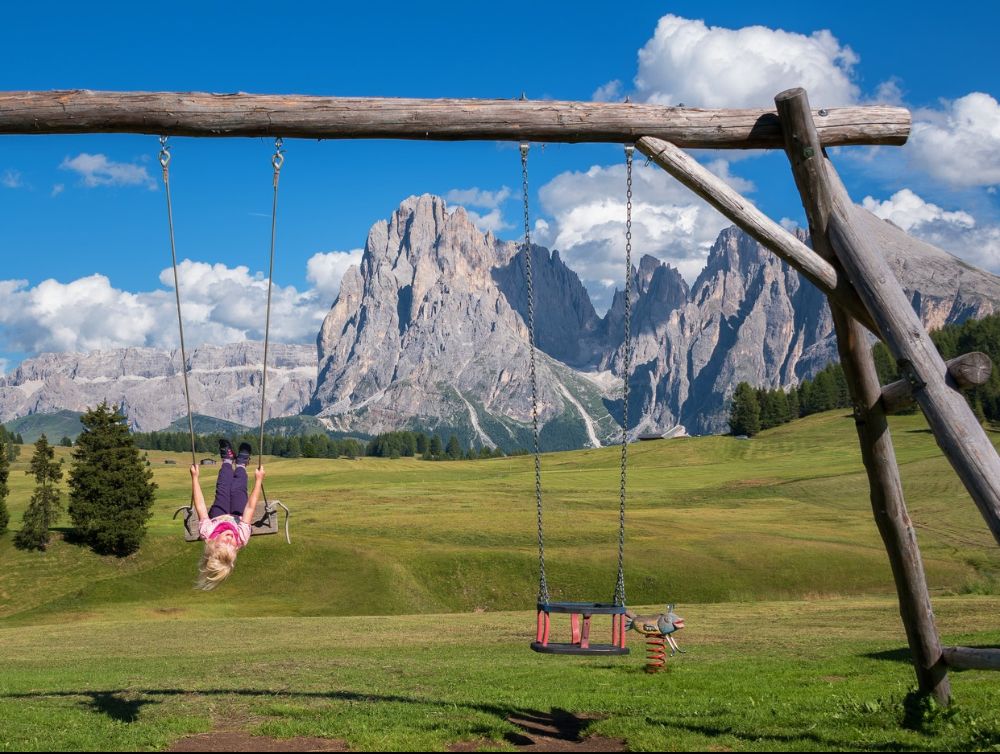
209	528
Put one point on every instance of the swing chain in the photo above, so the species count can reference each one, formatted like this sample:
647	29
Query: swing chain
627	371
543	586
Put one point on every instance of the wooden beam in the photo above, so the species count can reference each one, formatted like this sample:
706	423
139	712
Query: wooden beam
762	228
967	658
308	117
966	371
886	488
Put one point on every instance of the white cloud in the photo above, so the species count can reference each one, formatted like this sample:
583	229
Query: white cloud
98	170
954	231
325	270
11	179
220	305
477	197
58	189
959	144
610	92
587	211
491	221
700	66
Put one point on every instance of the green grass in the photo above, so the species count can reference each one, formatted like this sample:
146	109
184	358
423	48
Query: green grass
767	545
787	676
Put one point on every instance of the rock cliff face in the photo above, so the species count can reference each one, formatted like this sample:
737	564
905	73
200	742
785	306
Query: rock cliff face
749	317
424	335
224	380
429	333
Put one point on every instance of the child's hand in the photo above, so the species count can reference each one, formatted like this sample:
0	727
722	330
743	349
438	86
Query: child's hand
259	474
195	471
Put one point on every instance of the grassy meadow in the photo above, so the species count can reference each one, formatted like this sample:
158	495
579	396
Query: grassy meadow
399	618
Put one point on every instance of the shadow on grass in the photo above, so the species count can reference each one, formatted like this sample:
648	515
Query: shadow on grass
125	706
531	724
892	655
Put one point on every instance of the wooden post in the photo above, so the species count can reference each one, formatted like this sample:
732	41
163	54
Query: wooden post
958	433
759	226
888	504
240	114
966	371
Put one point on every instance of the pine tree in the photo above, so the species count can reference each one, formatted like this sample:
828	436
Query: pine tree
744	416
436	447
111	485
453	450
44	507
4	489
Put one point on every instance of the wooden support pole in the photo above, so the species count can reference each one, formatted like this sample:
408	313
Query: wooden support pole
958	433
966	658
966	371
888	504
762	228
289	116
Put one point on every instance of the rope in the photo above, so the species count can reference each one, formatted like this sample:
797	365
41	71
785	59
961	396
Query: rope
543	586
620	584
165	164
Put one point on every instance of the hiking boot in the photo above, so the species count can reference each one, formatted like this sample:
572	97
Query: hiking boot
243	457
226	450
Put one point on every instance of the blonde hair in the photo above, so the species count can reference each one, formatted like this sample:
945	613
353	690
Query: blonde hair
217	563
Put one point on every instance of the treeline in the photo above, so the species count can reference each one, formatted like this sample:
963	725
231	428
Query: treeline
306	446
400	444
756	409
428	447
11	442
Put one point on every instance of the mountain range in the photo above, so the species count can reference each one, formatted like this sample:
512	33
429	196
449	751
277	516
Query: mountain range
429	333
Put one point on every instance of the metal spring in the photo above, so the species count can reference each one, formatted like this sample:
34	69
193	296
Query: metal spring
656	654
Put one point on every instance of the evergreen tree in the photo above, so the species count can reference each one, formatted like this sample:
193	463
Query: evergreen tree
43	509
453	450
111	485
66	442
744	416
4	489
422	443
436	447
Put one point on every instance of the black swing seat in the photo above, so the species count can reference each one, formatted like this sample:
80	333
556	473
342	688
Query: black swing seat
266	522
585	609
562	648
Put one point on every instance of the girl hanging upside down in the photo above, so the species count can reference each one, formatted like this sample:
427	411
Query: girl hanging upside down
226	526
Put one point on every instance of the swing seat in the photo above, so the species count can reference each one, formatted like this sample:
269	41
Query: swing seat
265	523
580	614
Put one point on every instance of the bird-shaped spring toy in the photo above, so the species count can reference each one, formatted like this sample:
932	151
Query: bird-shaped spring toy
658	630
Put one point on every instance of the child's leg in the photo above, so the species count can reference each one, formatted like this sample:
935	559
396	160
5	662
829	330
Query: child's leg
238	491
223	492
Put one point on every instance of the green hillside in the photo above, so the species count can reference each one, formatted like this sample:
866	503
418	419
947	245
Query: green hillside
54	426
711	519
207	425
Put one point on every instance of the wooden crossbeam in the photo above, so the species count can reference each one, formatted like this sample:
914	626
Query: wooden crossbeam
966	371
309	117
968	658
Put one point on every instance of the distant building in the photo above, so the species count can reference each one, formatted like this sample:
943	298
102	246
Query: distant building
208	462
170	461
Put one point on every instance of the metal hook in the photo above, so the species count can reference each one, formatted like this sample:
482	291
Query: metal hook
164	152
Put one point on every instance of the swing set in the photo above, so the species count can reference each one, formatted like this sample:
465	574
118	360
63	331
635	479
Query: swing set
844	262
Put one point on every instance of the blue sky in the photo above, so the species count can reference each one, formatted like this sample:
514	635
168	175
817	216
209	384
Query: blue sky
82	227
